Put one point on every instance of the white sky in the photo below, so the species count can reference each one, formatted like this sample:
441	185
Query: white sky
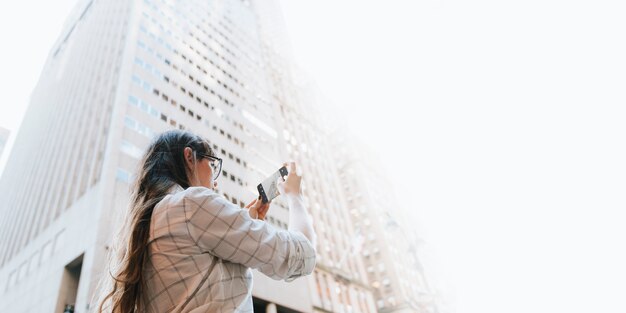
28	30
501	124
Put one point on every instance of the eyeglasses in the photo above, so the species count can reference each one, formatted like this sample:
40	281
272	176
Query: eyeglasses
216	164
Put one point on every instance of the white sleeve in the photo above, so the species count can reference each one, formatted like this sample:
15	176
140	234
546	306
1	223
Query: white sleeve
299	218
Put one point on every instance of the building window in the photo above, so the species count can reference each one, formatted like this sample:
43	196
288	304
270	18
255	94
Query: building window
122	175
133	100
130	123
380	303
131	149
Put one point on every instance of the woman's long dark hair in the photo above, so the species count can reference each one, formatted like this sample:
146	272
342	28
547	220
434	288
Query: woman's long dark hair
162	166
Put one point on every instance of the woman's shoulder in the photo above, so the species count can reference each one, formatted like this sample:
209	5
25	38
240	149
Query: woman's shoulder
200	205
194	194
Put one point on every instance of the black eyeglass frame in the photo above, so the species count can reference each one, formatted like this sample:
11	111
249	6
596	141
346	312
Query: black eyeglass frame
213	158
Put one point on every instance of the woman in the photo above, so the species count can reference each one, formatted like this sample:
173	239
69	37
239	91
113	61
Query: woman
188	249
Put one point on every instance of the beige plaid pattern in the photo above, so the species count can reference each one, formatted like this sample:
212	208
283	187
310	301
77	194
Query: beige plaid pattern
192	227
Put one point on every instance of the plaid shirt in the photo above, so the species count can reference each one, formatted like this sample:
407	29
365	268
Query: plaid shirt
195	227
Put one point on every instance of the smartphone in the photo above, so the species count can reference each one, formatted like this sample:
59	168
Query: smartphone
268	189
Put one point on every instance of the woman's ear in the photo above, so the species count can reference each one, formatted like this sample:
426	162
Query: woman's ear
188	156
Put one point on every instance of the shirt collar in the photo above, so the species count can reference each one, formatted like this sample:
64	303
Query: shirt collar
175	189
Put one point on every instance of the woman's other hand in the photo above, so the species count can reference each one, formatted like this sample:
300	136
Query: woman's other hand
257	209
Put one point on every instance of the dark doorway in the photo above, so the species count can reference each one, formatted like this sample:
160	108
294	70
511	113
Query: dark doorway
260	306
69	286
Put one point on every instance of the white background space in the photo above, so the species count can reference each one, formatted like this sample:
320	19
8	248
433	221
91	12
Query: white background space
502	126
500	123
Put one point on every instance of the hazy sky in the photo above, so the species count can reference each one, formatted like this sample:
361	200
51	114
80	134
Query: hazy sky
28	30
501	124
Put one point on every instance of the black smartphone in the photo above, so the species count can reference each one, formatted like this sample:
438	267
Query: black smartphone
268	189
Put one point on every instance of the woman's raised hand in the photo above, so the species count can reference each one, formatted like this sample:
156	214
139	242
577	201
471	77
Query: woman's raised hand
291	186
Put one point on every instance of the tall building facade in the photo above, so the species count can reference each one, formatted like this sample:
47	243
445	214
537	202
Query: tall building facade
391	246
4	138
340	281
56	183
120	73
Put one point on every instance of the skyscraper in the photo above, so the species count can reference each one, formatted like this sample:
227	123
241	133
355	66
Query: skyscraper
340	280
391	247
122	72
4	138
